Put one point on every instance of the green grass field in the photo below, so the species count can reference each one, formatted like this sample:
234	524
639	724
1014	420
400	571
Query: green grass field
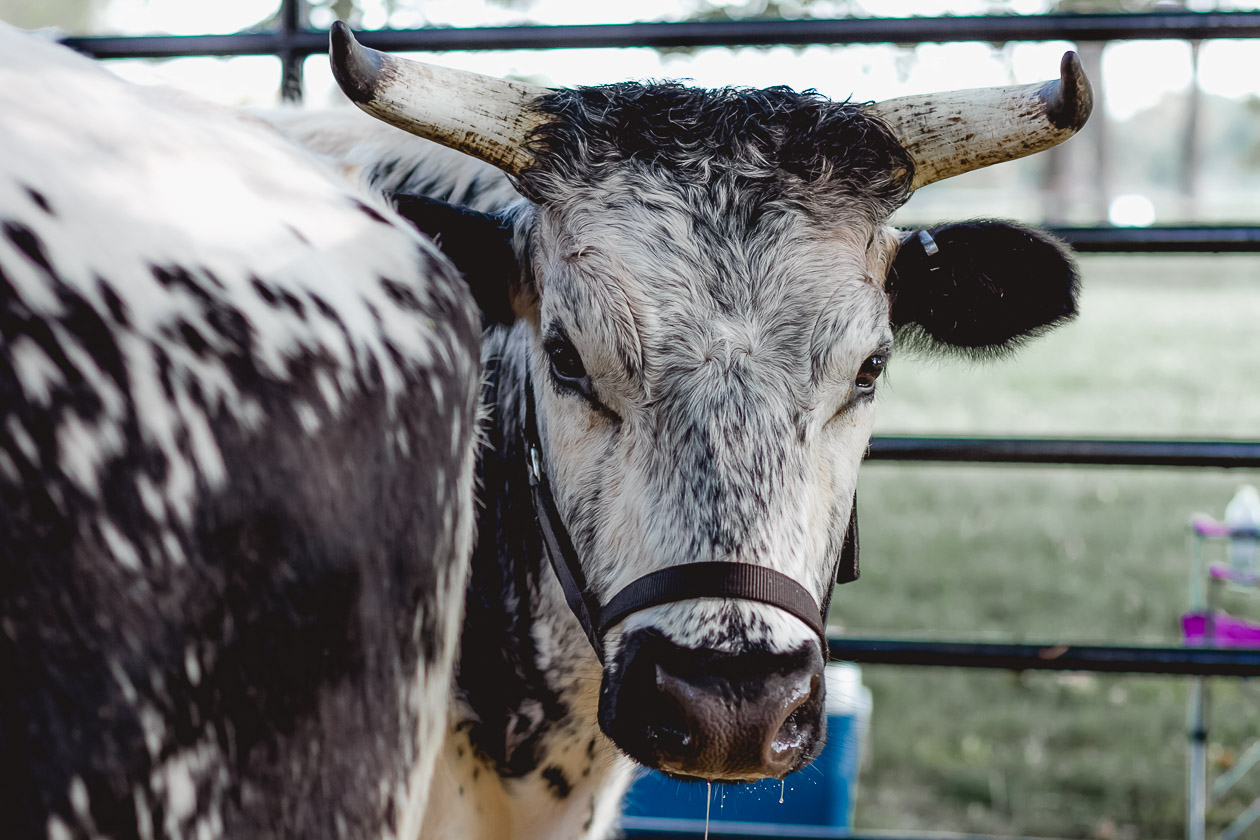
1166	347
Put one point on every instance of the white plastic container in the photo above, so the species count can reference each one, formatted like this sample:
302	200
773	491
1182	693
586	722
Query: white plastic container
1243	514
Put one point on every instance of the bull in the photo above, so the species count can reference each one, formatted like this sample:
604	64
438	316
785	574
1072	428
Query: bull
688	308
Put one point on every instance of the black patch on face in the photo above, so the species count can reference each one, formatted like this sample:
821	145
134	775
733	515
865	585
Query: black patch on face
213	280
41	201
178	277
117	309
370	212
402	296
265	292
392	351
29	243
694	132
325	309
191	338
556	782
163	362
298	235
294	303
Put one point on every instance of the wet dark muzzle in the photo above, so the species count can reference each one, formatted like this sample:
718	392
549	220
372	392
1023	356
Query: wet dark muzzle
713	715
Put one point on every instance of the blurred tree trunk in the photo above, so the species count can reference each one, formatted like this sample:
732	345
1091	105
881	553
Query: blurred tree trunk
1055	181
1189	168
1098	131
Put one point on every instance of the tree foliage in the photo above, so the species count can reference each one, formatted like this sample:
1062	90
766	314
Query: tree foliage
68	15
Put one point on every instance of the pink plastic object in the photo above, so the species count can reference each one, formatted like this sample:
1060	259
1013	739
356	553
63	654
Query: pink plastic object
1224	632
1206	526
1230	575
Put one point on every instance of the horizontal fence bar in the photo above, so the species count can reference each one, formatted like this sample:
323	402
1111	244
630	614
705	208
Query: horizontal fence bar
1190	239
1182	661
644	828
1091	452
995	28
301	43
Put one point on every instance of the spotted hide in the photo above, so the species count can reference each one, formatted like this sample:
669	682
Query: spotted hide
237	413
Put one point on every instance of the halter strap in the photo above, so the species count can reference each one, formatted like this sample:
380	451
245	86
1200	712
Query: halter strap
716	579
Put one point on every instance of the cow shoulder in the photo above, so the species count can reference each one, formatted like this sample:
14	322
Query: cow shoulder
237	404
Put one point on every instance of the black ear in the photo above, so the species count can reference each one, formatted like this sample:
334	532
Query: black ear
981	286
479	244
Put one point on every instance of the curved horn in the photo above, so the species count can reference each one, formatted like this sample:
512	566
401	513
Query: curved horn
948	134
482	116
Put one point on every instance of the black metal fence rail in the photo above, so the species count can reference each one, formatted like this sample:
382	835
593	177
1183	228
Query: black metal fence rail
1185	239
1122	659
1101	452
1067	27
655	828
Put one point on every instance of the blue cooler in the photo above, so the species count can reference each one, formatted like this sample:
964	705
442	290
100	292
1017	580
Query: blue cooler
821	794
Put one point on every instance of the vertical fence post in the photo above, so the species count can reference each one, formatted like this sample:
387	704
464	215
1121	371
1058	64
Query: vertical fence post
290	59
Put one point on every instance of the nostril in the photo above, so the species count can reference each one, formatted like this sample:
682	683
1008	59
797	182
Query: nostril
790	737
670	726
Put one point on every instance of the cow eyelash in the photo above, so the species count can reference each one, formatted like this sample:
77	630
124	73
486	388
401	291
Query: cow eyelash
864	382
568	373
565	362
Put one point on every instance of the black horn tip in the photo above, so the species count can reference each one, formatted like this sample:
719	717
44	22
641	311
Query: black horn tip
356	68
1070	100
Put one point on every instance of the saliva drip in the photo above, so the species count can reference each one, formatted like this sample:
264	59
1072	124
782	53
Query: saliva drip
708	802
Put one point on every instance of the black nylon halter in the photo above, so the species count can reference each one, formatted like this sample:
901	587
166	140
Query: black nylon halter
716	579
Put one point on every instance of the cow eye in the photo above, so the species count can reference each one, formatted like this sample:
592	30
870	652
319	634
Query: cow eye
869	372
566	364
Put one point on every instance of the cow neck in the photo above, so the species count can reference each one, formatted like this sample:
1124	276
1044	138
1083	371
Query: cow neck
509	688
716	579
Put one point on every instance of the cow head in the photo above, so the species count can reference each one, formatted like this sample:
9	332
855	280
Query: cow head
709	290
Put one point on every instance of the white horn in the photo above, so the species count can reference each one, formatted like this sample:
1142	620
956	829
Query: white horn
481	116
951	133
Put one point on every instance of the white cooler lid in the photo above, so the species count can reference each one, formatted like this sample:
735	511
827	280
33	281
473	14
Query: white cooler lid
845	693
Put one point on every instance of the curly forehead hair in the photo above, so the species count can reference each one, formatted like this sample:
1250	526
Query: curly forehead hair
774	141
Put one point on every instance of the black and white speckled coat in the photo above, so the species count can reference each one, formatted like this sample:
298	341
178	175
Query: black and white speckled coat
237	416
701	289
